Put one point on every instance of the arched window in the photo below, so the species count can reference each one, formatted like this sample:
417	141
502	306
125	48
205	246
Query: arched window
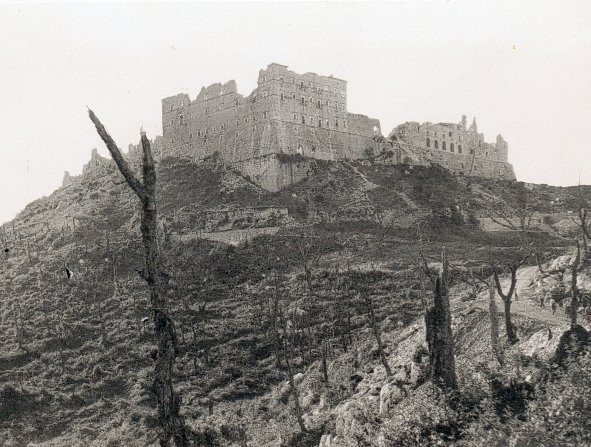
443	145
428	142
303	100
459	148
451	147
436	144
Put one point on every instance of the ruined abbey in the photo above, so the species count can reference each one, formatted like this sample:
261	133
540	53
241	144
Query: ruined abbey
288	114
290	119
453	147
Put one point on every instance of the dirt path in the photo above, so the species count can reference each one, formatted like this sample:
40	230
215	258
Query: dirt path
371	185
525	305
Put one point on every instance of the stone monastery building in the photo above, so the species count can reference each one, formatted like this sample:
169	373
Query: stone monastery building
290	119
454	147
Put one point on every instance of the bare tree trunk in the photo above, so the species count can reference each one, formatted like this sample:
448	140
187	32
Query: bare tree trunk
274	317
494	326
296	395
574	304
324	366
506	297
287	346
375	328
439	335
511	336
169	403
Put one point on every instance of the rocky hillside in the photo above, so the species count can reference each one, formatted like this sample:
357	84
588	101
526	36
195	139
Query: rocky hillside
75	360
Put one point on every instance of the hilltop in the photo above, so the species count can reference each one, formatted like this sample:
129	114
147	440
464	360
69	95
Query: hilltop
75	363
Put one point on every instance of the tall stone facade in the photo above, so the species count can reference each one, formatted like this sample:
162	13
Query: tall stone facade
286	115
272	135
454	147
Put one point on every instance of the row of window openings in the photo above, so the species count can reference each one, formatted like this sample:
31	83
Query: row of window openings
303	101
295	118
237	133
442	134
265	95
220	137
223	126
327	122
316	88
451	147
293	96
443	145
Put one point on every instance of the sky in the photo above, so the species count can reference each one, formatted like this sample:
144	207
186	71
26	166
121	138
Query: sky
523	69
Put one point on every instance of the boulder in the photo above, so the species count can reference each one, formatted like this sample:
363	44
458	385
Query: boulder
67	180
560	263
352	416
552	286
390	395
400	376
325	441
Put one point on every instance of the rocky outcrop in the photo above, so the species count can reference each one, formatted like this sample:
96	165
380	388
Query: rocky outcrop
67	181
97	165
391	395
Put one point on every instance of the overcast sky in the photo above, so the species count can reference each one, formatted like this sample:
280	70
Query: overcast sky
522	68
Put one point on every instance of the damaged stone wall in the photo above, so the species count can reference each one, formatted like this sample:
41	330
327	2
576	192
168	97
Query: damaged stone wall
244	218
453	147
288	113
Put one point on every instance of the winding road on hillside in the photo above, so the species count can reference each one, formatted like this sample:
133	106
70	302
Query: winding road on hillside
525	305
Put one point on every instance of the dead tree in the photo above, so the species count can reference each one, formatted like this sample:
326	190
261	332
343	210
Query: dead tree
287	346
574	290
171	423
494	326
516	212
375	329
508	296
274	319
324	367
585	226
438	331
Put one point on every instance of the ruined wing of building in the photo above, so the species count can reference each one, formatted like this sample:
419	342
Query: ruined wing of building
454	147
290	119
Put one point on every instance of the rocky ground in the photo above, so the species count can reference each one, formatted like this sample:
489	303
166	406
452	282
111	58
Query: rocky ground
75	361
